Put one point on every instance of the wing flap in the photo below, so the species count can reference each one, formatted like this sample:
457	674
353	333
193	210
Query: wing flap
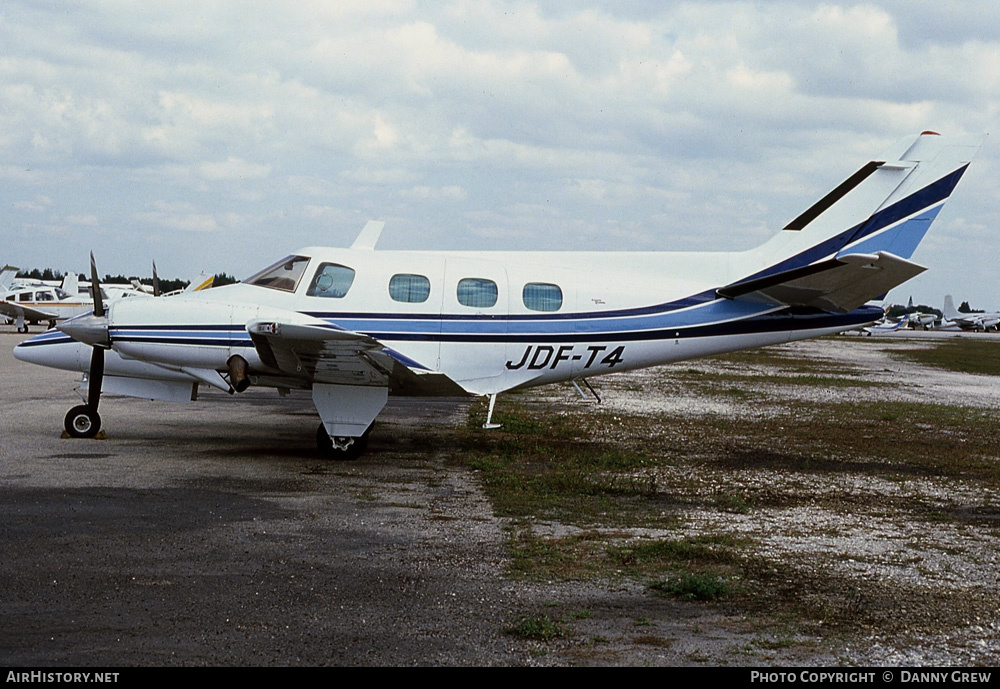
839	285
321	353
318	353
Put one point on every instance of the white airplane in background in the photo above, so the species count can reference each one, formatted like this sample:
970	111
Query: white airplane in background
356	325
42	303
969	321
922	320
39	301
34	301
884	327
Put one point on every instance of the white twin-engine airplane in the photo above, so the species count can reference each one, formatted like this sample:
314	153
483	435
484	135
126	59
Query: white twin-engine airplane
356	325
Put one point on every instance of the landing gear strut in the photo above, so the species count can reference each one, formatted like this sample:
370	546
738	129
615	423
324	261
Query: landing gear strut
341	447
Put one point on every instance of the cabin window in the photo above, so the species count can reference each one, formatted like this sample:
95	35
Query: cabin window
479	293
44	296
412	289
332	280
283	275
24	296
542	296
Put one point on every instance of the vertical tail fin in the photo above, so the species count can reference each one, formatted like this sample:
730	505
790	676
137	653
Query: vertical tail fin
7	275
887	205
949	310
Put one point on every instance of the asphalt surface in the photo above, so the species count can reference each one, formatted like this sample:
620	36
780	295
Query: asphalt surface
212	533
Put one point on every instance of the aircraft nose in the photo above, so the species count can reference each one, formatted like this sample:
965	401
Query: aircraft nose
88	329
55	350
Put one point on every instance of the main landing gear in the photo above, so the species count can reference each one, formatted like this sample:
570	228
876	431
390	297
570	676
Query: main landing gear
341	447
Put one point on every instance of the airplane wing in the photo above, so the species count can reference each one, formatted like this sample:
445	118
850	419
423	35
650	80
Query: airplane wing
326	354
839	284
13	310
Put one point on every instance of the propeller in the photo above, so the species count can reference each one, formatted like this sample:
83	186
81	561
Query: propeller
96	377
156	282
90	329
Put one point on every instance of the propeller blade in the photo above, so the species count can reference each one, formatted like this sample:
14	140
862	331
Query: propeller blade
156	282
96	378
95	287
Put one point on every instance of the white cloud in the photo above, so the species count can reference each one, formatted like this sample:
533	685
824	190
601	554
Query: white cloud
82	220
233	168
674	125
425	193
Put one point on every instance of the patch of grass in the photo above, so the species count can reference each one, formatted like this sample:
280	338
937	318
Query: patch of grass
963	354
536	628
737	503
702	586
644	554
530	554
545	470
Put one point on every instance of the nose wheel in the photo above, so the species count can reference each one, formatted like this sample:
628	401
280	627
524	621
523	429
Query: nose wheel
82	422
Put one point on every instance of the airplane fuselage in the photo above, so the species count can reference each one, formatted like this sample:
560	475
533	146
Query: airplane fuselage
537	318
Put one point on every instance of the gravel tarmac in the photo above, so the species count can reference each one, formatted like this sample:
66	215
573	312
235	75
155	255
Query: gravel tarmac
211	534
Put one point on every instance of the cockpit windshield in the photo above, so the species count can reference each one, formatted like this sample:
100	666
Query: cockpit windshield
283	275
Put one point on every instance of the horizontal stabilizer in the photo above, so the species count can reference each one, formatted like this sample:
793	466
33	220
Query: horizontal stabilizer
839	285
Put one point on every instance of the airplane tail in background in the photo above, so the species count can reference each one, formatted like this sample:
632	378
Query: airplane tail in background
949	310
852	245
71	284
7	275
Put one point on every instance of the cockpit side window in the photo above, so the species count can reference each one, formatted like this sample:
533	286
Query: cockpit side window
331	280
283	275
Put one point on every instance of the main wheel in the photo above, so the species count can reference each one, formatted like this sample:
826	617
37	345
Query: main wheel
82	422
342	448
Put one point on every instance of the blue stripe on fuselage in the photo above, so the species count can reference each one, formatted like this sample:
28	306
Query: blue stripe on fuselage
755	319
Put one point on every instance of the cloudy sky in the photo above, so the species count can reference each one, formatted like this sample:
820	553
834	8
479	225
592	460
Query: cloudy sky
222	136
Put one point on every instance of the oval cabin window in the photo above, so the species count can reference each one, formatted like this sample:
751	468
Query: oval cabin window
542	296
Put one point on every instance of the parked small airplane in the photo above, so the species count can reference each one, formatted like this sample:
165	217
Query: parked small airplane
887	327
883	327
355	325
41	304
969	321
